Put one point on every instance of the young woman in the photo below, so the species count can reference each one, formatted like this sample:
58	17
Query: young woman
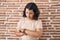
30	27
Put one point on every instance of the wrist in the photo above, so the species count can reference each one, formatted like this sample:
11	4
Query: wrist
22	30
25	32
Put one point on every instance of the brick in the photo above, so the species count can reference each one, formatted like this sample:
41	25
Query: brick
58	10
42	6
2	32
2	38
11	8
27	0
11	25
1	22
55	0
57	28
12	4
12	0
49	10
3	6
46	36
12	20
56	21
4	11
20	10
5	35
55	6
57	36
55	13
2	0
55	39
13	38
41	0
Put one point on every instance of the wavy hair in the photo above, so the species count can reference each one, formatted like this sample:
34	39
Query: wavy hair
32	6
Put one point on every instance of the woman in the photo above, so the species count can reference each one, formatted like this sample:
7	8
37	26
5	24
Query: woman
30	27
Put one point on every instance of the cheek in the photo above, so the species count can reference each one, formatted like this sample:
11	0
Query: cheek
27	14
31	15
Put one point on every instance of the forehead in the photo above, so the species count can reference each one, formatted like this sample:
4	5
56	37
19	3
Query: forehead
27	10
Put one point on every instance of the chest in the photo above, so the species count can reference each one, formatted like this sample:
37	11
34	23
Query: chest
28	25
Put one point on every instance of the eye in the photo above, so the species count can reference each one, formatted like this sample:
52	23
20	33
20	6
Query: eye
31	13
26	12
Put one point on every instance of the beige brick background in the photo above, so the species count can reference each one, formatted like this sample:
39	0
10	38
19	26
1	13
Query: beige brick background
11	12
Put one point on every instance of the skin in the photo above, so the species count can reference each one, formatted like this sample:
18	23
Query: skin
34	33
29	14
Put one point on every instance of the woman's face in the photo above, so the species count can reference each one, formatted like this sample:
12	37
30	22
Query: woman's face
29	13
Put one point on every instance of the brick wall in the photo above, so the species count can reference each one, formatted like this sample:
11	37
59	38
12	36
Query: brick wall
11	11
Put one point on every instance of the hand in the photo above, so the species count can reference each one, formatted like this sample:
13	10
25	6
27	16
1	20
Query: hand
19	34
21	30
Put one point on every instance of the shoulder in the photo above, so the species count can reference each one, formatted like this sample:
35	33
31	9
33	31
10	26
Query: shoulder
21	19
39	21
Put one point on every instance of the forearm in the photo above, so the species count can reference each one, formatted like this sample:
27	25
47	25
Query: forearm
19	33
32	33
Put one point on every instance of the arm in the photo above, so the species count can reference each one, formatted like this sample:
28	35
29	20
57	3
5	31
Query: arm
18	33
18	29
38	30
36	33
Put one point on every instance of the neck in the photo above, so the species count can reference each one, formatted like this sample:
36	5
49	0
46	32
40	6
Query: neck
30	18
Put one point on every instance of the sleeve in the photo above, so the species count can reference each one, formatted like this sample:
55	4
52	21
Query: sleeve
39	24
18	25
